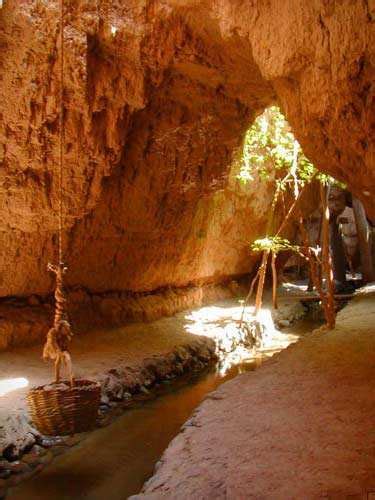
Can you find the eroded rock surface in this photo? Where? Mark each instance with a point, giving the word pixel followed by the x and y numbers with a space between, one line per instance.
pixel 158 96
pixel 23 324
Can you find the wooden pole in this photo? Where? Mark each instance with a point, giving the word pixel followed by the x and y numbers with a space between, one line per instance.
pixel 274 281
pixel 314 269
pixel 262 277
pixel 326 259
pixel 263 267
pixel 249 295
pixel 291 209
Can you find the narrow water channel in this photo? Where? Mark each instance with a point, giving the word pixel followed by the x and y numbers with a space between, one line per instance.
pixel 114 462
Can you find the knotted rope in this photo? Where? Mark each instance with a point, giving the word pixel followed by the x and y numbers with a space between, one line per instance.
pixel 60 295
pixel 59 336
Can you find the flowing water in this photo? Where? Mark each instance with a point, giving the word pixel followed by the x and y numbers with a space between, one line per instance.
pixel 114 462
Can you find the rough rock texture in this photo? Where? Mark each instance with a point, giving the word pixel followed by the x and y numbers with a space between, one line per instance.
pixel 23 324
pixel 158 96
pixel 301 426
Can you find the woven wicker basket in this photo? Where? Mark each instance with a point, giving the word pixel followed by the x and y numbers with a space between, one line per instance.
pixel 60 410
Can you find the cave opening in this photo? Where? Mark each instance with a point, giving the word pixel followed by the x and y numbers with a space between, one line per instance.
pixel 271 154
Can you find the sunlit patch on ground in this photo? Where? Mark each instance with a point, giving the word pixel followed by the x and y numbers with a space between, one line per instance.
pixel 11 384
pixel 222 323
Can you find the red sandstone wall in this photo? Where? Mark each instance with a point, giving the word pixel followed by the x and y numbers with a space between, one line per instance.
pixel 154 116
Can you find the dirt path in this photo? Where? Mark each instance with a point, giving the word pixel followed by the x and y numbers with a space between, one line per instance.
pixel 302 426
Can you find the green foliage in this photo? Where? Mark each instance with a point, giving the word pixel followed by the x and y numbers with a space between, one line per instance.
pixel 269 146
pixel 274 244
pixel 331 181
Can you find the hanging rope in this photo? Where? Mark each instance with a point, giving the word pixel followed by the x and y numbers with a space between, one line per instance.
pixel 60 295
pixel 60 269
pixel 59 336
pixel 62 132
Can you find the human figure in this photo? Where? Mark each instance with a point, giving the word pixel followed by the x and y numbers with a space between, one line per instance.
pixel 337 204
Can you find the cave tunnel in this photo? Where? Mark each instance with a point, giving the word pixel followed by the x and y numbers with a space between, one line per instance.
pixel 157 99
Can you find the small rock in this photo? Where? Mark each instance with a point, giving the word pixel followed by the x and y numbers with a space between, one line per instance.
pixel 283 323
pixel 119 394
pixel 158 464
pixel 113 388
pixel 214 397
pixel 48 442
